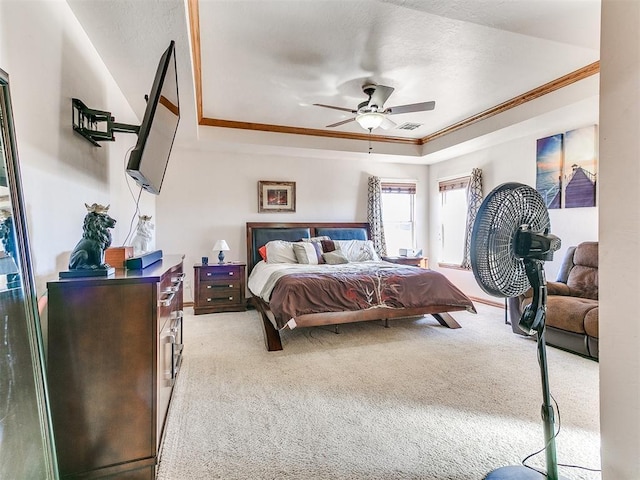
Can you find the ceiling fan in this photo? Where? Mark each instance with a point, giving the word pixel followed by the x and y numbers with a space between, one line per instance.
pixel 372 113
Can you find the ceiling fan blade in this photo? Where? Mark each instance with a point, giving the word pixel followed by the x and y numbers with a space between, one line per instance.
pixel 380 95
pixel 340 123
pixel 388 124
pixel 350 110
pixel 413 107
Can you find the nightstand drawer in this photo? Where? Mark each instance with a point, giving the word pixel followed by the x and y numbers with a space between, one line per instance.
pixel 221 283
pixel 219 272
pixel 219 298
pixel 219 291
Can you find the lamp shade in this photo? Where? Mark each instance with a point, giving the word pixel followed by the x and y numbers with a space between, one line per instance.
pixel 370 120
pixel 221 245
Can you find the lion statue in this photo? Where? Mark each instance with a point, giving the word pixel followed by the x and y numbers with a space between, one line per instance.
pixel 96 237
pixel 142 239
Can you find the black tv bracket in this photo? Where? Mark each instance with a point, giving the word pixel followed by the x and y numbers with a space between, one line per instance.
pixel 86 121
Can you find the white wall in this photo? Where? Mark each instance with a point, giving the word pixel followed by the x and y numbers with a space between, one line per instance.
pixel 515 161
pixel 211 194
pixel 50 60
pixel 620 240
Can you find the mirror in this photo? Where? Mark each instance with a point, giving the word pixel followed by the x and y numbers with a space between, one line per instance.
pixel 26 441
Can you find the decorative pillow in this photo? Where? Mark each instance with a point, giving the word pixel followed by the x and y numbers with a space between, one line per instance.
pixel 335 258
pixel 318 248
pixel 357 250
pixel 328 245
pixel 263 252
pixel 305 252
pixel 280 251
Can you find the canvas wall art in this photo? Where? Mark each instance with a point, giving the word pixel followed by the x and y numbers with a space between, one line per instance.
pixel 580 167
pixel 549 169
pixel 567 168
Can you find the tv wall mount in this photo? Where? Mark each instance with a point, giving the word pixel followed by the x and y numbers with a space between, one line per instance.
pixel 86 121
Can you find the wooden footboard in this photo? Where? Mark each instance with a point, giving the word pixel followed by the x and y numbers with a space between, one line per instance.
pixel 273 341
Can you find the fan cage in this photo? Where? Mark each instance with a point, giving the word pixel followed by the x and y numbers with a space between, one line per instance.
pixel 506 210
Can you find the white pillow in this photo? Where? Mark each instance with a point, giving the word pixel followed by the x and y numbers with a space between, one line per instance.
pixel 316 239
pixel 279 251
pixel 357 250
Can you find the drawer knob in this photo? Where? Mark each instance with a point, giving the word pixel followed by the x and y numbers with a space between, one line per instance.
pixel 231 274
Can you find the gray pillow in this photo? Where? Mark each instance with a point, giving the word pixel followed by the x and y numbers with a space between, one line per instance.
pixel 306 253
pixel 335 258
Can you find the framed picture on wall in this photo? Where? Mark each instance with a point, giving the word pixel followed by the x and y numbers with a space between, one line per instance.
pixel 276 196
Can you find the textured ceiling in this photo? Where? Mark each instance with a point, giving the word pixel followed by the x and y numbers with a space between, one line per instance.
pixel 267 62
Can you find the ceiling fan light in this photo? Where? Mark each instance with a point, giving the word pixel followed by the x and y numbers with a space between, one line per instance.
pixel 370 120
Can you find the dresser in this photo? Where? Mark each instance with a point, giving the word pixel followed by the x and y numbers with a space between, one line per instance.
pixel 219 287
pixel 114 350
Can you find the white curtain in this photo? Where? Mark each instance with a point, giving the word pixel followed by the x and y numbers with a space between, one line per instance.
pixel 374 215
pixel 474 200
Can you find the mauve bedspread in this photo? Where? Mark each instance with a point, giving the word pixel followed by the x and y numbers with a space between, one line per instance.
pixel 392 287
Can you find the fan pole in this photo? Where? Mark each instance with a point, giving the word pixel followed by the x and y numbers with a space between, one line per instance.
pixel 537 309
pixel 535 273
pixel 547 410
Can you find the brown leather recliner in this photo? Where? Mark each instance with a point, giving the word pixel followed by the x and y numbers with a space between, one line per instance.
pixel 572 303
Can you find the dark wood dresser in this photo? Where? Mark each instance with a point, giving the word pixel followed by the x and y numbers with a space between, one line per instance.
pixel 219 287
pixel 113 354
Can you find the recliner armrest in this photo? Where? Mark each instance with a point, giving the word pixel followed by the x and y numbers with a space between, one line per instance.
pixel 558 288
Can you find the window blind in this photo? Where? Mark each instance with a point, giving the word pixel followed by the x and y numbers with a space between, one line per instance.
pixel 398 187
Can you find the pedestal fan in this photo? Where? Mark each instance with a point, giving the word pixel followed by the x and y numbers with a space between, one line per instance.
pixel 510 242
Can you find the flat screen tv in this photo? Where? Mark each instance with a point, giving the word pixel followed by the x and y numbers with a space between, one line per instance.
pixel 149 158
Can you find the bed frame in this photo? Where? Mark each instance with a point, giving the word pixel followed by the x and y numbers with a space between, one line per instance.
pixel 259 233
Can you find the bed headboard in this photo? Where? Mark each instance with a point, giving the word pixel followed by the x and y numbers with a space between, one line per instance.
pixel 258 234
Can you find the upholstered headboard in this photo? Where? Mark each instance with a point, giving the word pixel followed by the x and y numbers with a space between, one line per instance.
pixel 258 234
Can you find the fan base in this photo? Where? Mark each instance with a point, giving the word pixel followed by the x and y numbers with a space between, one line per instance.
pixel 516 472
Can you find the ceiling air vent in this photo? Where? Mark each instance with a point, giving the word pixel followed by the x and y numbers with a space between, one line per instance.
pixel 409 126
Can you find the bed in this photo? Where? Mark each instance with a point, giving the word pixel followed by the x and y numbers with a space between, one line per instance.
pixel 289 294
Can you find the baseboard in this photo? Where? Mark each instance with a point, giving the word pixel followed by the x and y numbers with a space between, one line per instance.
pixel 488 302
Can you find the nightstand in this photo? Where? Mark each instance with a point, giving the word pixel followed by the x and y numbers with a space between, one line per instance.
pixel 422 262
pixel 219 287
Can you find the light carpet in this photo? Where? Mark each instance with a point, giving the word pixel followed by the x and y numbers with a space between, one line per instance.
pixel 414 401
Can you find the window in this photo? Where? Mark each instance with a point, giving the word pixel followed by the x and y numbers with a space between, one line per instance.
pixel 453 215
pixel 398 215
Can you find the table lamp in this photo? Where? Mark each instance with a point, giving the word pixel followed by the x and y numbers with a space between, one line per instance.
pixel 222 246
